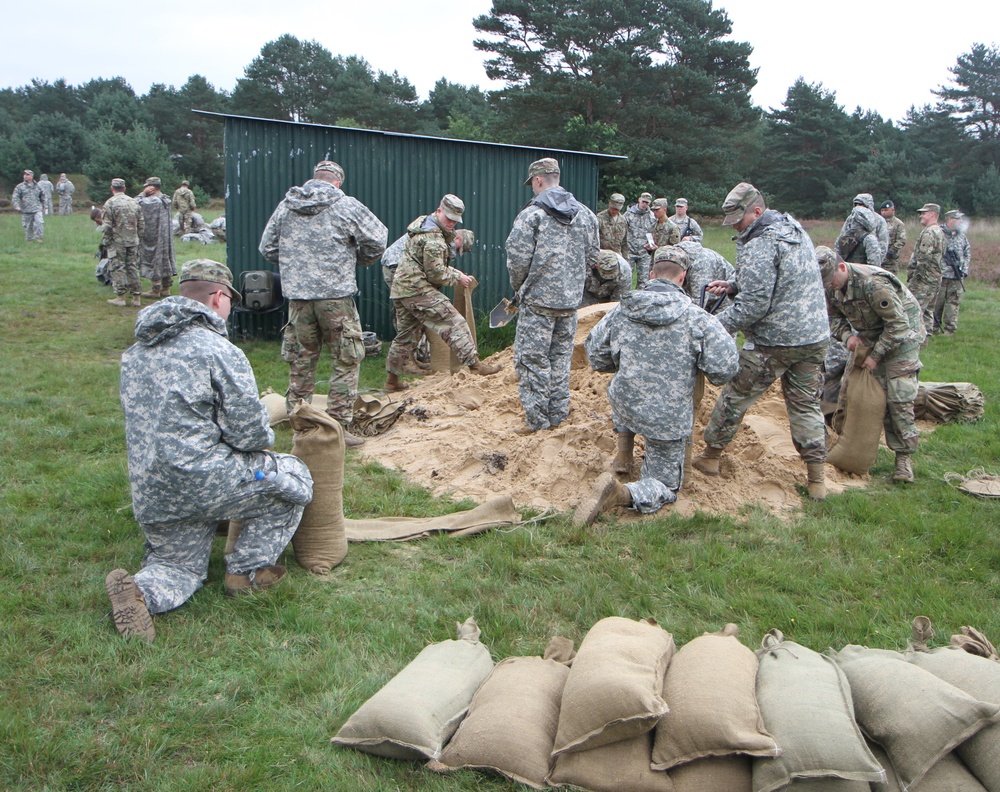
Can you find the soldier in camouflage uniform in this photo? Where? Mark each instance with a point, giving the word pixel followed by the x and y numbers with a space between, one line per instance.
pixel 664 233
pixel 897 236
pixel 157 262
pixel 197 436
pixel 121 228
pixel 65 188
pixel 29 200
pixel 184 203
pixel 612 228
pixel 608 280
pixel 417 299
pixel 639 221
pixel 706 266
pixel 553 243
pixel 655 341
pixel 869 307
pixel 318 236
pixel 954 271
pixel 781 311
pixel 923 275
pixel 687 226
pixel 864 237
pixel 48 188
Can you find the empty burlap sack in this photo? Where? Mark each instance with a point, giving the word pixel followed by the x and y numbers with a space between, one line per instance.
pixel 320 542
pixel 976 482
pixel 615 687
pixel 715 774
pixel 512 720
pixel 948 401
pixel 916 717
pixel 277 412
pixel 418 710
pixel 374 414
pixel 974 642
pixel 979 678
pixel 862 402
pixel 616 767
pixel 948 775
pixel 442 358
pixel 806 703
pixel 711 692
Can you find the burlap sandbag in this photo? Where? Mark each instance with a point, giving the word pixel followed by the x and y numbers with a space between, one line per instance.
pixel 442 358
pixel 615 688
pixel 616 767
pixel 277 411
pixel 806 703
pixel 916 717
pixel 715 774
pixel 418 710
pixel 827 784
pixel 862 400
pixel 948 775
pixel 512 720
pixel 980 678
pixel 320 542
pixel 710 690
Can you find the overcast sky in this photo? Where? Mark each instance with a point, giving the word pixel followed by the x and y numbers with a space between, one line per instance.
pixel 881 56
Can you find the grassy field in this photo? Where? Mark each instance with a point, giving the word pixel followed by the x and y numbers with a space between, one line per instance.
pixel 238 695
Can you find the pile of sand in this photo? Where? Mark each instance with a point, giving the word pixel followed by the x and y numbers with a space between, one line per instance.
pixel 457 439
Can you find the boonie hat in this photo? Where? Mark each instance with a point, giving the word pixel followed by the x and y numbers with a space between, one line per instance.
pixel 331 167
pixel 118 183
pixel 674 254
pixel 887 205
pixel 212 271
pixel 617 199
pixel 607 262
pixel 453 207
pixel 646 197
pixel 736 203
pixel 929 207
pixel 681 202
pixel 827 260
pixel 542 167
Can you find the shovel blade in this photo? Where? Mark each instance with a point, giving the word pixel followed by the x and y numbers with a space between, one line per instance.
pixel 501 315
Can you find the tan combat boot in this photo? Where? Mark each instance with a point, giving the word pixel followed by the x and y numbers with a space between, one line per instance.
pixel 608 492
pixel 708 461
pixel 623 459
pixel 128 607
pixel 352 441
pixel 118 300
pixel 392 383
pixel 263 579
pixel 165 287
pixel 136 302
pixel 904 470
pixel 816 480
pixel 484 369
pixel 154 291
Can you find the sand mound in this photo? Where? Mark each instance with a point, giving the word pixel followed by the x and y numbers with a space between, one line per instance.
pixel 457 439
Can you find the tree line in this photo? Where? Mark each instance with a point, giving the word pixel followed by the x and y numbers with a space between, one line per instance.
pixel 658 81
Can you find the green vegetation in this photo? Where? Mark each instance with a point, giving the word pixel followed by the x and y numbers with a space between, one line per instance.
pixel 245 694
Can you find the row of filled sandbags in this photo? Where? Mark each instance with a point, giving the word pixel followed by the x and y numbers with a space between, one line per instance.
pixel 629 712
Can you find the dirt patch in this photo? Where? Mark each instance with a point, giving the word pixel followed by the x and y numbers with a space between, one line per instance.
pixel 458 439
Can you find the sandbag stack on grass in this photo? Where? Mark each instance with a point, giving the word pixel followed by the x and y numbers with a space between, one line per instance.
pixel 419 709
pixel 717 773
pixel 916 717
pixel 947 775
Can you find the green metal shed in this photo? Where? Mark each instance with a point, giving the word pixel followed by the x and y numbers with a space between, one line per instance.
pixel 398 177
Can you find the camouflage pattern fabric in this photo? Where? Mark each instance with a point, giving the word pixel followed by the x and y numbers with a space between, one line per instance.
pixel 688 227
pixel 665 233
pixel 65 188
pixel 864 237
pixel 183 200
pixel 33 224
pixel 431 311
pixel 602 287
pixel 897 240
pixel 923 275
pixel 957 255
pixel 543 352
pixel 317 235
pixel 123 269
pixel 390 261
pixel 196 432
pixel 122 222
pixel 706 266
pixel 639 223
pixel 311 325
pixel 29 200
pixel 640 264
pixel 833 371
pixel 801 374
pixel 613 232
pixel 661 477
pixel 424 265
pixel 48 188
pixel 947 302
pixel 156 245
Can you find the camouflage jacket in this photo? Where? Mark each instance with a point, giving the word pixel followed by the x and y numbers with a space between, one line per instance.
pixel 122 222
pixel 424 266
pixel 613 232
pixel 639 223
pixel 957 255
pixel 48 188
pixel 156 245
pixel 706 266
pixel 194 424
pixel 897 237
pixel 665 233
pixel 927 258
pixel 184 200
pixel 65 188
pixel 553 243
pixel 779 293
pixel 28 198
pixel 879 309
pixel 864 237
pixel 606 283
pixel 688 226
pixel 656 341
pixel 318 236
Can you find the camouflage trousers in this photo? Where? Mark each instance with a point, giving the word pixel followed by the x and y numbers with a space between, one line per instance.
pixel 175 564
pixel 661 477
pixel 65 206
pixel 33 224
pixel 640 266
pixel 946 305
pixel 543 351
pixel 925 292
pixel 183 221
pixel 898 375
pixel 434 312
pixel 891 264
pixel 800 369
pixel 123 267
pixel 311 324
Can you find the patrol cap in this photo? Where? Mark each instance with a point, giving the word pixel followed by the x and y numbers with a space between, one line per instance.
pixel 185 183
pixel 737 202
pixel 464 239
pixel 330 167
pixel 452 207
pixel 681 202
pixel 887 205
pixel 953 214
pixel 674 254
pixel 660 203
pixel 617 199
pixel 119 183
pixel 646 197
pixel 28 172
pixel 153 181
pixel 827 259
pixel 929 207
pixel 212 271
pixel 607 262
pixel 542 167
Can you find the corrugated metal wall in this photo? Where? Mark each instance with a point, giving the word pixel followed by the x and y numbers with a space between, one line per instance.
pixel 399 177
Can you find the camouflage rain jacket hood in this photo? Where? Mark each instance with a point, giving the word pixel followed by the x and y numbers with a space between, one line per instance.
pixel 194 424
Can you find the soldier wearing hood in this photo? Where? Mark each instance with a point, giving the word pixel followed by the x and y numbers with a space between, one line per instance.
pixel 318 236
pixel 864 237
pixel 655 340
pixel 954 270
pixel 553 243
pixel 156 246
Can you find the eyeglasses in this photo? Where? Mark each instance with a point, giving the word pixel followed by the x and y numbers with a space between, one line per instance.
pixel 226 293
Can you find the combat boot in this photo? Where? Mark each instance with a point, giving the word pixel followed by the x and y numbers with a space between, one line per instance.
pixel 392 383
pixel 708 461
pixel 136 302
pixel 165 287
pixel 608 492
pixel 128 606
pixel 352 441
pixel 904 470
pixel 816 480
pixel 118 300
pixel 263 578
pixel 484 369
pixel 623 459
pixel 154 291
